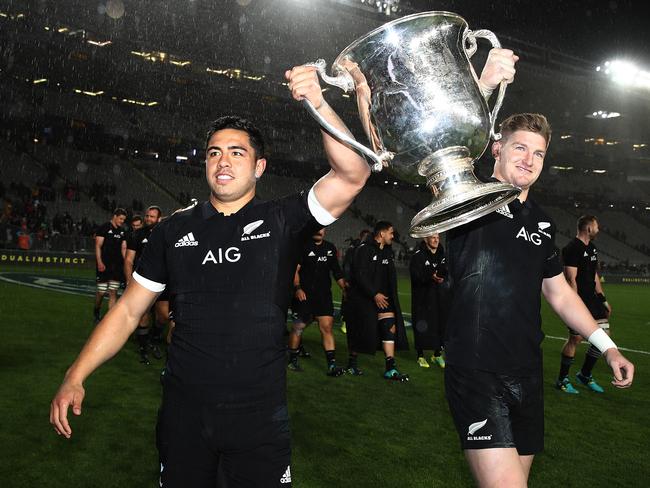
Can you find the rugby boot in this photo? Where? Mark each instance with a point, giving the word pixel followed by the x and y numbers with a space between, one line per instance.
pixel 303 353
pixel 344 328
pixel 589 382
pixel 144 359
pixel 439 360
pixel 294 366
pixel 333 370
pixel 565 385
pixel 395 375
pixel 354 371
pixel 155 350
pixel 423 362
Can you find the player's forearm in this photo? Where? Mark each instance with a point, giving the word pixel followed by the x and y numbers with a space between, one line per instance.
pixel 572 310
pixel 345 162
pixel 104 342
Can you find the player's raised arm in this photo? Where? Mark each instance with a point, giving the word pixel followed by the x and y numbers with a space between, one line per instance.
pixel 337 189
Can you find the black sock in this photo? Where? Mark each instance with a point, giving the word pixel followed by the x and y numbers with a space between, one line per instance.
pixel 155 333
pixel 293 355
pixel 142 335
pixel 330 356
pixel 352 360
pixel 420 353
pixel 437 352
pixel 565 365
pixel 590 361
pixel 390 363
pixel 96 312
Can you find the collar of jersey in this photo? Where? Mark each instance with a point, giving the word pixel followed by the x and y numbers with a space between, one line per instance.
pixel 208 210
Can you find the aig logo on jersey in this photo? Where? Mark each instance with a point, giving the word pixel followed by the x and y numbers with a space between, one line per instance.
pixel 249 228
pixel 534 237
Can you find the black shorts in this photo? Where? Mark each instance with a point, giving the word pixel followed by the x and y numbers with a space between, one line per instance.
pixel 111 273
pixel 199 444
pixel 493 410
pixel 316 305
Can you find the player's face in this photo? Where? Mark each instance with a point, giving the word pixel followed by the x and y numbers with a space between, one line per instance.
pixel 433 241
pixel 118 220
pixel 319 236
pixel 519 158
pixel 151 218
pixel 231 166
pixel 388 235
pixel 593 230
pixel 136 224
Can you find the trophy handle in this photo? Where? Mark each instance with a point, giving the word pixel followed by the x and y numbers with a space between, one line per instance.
pixel 343 81
pixel 470 37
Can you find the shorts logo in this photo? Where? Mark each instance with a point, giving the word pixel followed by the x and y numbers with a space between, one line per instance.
pixel 286 477
pixel 187 240
pixel 475 427
pixel 248 228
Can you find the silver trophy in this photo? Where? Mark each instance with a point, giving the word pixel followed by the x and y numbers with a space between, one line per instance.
pixel 423 112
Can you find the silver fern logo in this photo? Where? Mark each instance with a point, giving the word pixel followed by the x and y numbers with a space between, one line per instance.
pixel 248 228
pixel 476 426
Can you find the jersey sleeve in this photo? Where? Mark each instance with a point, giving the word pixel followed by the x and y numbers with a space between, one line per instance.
pixel 131 241
pixel 151 271
pixel 303 214
pixel 102 231
pixel 552 265
pixel 571 255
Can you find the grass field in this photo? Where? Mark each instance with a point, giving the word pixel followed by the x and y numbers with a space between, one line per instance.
pixel 347 432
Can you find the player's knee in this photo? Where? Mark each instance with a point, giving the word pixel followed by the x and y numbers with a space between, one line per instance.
pixel 298 328
pixel 387 329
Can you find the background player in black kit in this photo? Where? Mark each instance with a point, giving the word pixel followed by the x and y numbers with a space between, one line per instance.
pixel 428 272
pixel 376 320
pixel 110 247
pixel 147 335
pixel 498 265
pixel 580 259
pixel 313 298
pixel 229 265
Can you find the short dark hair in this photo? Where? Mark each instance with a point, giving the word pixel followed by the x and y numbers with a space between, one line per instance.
pixel 536 123
pixel 119 211
pixel 156 208
pixel 239 123
pixel 381 226
pixel 136 217
pixel 584 221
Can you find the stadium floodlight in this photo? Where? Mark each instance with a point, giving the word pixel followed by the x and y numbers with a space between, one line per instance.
pixel 625 73
pixel 603 114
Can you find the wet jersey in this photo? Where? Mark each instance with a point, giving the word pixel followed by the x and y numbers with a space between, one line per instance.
pixel 496 267
pixel 137 242
pixel 229 279
pixel 317 263
pixel 112 246
pixel 584 257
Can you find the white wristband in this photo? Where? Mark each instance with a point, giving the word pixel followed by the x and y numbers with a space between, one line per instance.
pixel 601 341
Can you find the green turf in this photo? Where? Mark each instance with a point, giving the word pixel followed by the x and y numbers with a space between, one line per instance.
pixel 347 432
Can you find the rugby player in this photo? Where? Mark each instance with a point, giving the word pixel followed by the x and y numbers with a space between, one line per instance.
pixel 229 264
pixel 313 298
pixel 499 265
pixel 110 248
pixel 428 271
pixel 376 321
pixel 580 259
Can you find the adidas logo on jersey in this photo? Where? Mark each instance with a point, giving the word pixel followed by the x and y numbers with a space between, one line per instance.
pixel 286 477
pixel 505 211
pixel 187 240
pixel 311 253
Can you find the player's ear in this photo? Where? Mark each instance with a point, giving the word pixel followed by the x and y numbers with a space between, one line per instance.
pixel 496 149
pixel 260 166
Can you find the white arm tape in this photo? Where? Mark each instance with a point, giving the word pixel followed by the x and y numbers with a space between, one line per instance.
pixel 321 215
pixel 601 341
pixel 149 284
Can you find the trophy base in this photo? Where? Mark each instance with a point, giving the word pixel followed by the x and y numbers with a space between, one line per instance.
pixel 459 196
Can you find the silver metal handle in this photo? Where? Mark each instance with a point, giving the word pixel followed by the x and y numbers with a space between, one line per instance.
pixel 345 82
pixel 471 36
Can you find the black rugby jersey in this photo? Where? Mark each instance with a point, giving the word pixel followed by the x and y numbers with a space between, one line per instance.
pixel 496 267
pixel 422 266
pixel 316 264
pixel 137 241
pixel 584 257
pixel 112 246
pixel 229 280
pixel 374 269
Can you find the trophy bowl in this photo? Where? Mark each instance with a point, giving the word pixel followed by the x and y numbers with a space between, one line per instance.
pixel 421 107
